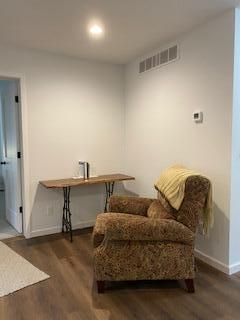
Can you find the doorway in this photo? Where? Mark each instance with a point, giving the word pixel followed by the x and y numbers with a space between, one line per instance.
pixel 11 221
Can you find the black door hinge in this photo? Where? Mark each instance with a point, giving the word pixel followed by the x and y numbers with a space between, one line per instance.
pixel 16 99
pixel 19 155
pixel 21 209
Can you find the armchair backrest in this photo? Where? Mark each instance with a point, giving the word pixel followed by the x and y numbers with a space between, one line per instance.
pixel 195 196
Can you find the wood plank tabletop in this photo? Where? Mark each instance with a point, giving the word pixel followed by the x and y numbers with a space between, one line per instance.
pixel 62 183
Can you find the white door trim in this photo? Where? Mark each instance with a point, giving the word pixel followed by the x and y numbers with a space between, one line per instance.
pixel 25 174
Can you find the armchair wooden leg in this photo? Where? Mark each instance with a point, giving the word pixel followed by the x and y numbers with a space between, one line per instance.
pixel 100 286
pixel 190 285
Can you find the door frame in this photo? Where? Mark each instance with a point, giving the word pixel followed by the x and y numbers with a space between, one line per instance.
pixel 23 128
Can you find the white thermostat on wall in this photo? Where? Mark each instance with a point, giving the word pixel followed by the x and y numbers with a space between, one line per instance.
pixel 198 116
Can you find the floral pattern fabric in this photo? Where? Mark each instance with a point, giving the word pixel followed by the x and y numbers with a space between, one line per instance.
pixel 129 245
pixel 156 210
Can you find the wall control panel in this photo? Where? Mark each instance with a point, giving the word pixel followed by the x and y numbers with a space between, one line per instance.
pixel 198 116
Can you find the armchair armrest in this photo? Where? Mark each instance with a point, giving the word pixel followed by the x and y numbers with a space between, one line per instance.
pixel 146 229
pixel 131 205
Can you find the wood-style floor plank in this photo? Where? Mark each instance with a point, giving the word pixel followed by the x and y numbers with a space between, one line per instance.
pixel 70 293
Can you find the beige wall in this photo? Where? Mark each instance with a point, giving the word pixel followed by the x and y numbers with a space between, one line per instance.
pixel 75 111
pixel 160 130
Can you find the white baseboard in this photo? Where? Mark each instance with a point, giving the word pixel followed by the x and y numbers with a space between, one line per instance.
pixel 212 262
pixel 58 229
pixel 234 268
pixel 228 269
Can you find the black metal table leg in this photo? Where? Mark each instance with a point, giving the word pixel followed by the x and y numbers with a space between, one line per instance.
pixel 109 191
pixel 66 218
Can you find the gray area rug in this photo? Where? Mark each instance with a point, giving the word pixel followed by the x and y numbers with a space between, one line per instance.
pixel 16 272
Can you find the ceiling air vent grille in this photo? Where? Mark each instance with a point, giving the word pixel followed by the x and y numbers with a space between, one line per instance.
pixel 159 59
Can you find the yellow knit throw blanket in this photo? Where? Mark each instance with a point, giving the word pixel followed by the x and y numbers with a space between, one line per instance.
pixel 172 184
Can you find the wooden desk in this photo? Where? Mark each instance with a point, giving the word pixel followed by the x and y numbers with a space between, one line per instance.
pixel 66 184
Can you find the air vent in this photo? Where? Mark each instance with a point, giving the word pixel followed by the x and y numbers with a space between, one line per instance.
pixel 164 57
pixel 159 59
pixel 155 60
pixel 173 53
pixel 142 66
pixel 148 63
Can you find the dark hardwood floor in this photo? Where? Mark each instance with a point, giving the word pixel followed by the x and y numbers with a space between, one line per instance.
pixel 70 293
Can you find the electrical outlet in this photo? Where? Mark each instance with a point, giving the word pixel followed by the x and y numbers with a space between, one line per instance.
pixel 50 211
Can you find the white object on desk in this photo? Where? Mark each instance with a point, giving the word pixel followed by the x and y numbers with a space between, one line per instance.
pixel 81 177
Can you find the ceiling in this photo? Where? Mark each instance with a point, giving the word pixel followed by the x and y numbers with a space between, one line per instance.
pixel 132 26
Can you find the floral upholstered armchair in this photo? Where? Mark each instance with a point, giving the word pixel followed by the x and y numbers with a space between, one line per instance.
pixel 141 238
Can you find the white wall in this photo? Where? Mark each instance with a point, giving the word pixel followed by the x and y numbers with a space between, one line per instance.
pixel 159 126
pixel 235 174
pixel 2 208
pixel 75 111
pixel 0 138
pixel 2 193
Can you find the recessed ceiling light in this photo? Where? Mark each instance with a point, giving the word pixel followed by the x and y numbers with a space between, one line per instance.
pixel 96 30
